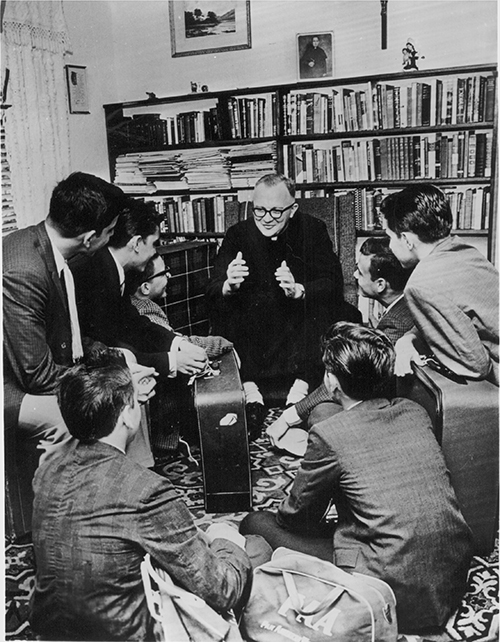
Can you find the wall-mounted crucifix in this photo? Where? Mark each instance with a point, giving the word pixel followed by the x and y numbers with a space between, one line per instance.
pixel 383 16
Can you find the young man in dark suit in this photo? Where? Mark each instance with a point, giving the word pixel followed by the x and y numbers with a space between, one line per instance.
pixel 380 464
pixel 106 311
pixel 42 337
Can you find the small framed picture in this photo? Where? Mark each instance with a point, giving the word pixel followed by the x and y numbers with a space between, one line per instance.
pixel 315 55
pixel 209 26
pixel 78 95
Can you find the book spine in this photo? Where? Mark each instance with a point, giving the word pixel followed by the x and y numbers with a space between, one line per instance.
pixel 426 105
pixel 480 154
pixel 489 108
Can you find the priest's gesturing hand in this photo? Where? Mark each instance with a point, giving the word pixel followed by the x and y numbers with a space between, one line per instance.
pixel 287 282
pixel 237 272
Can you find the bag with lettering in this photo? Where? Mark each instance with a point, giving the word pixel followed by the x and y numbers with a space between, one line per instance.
pixel 301 598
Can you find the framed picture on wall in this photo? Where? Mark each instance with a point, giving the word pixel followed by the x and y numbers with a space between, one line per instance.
pixel 78 95
pixel 209 26
pixel 315 55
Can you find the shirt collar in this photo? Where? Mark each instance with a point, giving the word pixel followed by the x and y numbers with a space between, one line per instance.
pixel 119 267
pixel 354 405
pixel 393 303
pixel 58 257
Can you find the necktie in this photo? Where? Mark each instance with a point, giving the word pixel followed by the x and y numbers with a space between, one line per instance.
pixel 76 340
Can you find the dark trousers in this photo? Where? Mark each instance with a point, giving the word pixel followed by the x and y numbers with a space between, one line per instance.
pixel 264 523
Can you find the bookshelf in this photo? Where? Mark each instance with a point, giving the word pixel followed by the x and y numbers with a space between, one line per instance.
pixel 363 136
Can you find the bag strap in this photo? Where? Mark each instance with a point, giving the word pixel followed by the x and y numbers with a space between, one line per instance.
pixel 188 603
pixel 327 602
pixel 152 598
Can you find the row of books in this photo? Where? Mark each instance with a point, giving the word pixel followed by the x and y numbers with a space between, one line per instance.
pixel 208 168
pixel 470 208
pixel 231 118
pixel 435 102
pixel 252 117
pixel 184 214
pixel 464 154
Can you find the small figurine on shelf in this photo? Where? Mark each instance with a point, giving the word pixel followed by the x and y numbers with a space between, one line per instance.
pixel 410 56
pixel 194 86
pixel 204 88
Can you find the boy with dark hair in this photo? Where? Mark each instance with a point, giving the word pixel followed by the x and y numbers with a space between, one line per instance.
pixel 97 513
pixel 83 202
pixel 383 264
pixel 452 293
pixel 380 464
pixel 171 408
pixel 148 286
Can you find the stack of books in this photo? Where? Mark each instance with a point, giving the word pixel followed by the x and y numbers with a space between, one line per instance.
pixel 247 163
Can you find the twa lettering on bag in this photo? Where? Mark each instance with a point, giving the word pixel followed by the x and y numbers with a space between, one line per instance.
pixel 301 598
pixel 324 622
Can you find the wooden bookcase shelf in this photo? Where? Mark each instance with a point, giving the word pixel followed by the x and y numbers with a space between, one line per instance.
pixel 369 134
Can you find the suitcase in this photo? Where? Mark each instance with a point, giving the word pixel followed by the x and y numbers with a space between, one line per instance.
pixel 220 408
pixel 464 416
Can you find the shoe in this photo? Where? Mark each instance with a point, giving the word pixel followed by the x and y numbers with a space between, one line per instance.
pixel 256 414
pixel 276 430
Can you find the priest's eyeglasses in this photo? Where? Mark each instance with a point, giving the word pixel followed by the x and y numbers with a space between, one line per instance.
pixel 274 212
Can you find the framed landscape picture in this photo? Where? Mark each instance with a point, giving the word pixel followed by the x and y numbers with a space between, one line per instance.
pixel 209 26
pixel 315 55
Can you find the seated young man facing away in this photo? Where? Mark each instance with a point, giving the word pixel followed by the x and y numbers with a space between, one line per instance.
pixel 382 278
pixel 96 514
pixel 379 463
pixel 452 293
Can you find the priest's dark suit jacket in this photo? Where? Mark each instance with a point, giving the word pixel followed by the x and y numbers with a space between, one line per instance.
pixel 107 316
pixel 272 334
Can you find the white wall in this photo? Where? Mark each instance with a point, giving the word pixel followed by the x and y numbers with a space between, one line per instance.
pixel 126 47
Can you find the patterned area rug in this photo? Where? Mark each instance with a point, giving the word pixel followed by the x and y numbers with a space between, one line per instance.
pixel 272 474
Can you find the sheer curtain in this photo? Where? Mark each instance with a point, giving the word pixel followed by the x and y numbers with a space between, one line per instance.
pixel 35 40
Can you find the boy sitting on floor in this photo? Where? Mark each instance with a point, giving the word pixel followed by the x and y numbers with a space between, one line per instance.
pixel 150 285
pixel 170 409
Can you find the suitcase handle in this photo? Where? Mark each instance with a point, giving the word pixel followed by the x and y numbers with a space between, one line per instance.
pixel 434 364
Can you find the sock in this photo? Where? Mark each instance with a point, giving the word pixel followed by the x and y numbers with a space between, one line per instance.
pixel 291 417
pixel 279 427
pixel 297 392
pixel 252 393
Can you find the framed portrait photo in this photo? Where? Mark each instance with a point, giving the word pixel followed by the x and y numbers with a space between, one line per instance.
pixel 78 95
pixel 209 26
pixel 315 55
